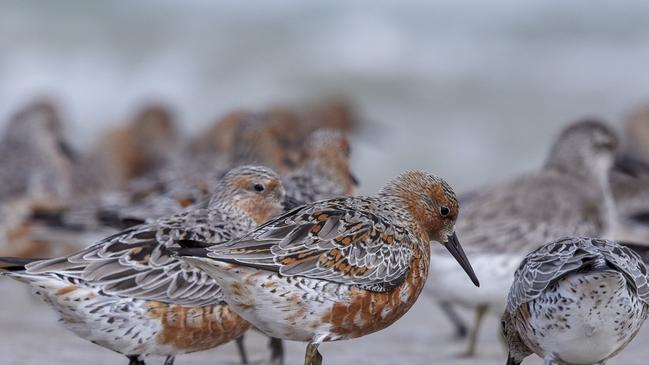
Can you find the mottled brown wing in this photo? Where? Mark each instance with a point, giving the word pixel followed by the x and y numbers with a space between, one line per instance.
pixel 138 263
pixel 340 240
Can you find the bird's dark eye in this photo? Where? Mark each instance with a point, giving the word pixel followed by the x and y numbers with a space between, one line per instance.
pixel 445 211
pixel 259 187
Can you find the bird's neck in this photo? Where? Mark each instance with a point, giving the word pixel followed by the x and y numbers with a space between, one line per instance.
pixel 596 180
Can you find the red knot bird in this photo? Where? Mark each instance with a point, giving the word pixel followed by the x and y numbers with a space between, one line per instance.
pixel 128 294
pixel 337 269
pixel 575 301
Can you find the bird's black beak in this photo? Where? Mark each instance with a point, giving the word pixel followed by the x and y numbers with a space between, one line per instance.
pixel 291 203
pixel 67 151
pixel 453 246
pixel 630 166
pixel 355 181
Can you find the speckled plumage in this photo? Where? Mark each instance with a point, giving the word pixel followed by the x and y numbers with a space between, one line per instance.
pixel 127 293
pixel 499 225
pixel 335 269
pixel 576 301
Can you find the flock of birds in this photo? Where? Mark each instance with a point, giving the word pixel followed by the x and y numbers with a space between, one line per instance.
pixel 154 245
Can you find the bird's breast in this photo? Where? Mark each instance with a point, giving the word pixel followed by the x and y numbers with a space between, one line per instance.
pixel 190 329
pixel 366 311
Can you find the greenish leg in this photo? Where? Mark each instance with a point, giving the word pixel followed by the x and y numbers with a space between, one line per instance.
pixel 312 356
pixel 473 336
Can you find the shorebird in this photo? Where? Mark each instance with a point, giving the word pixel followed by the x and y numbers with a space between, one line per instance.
pixel 36 166
pixel 150 142
pixel 128 294
pixel 258 141
pixel 325 172
pixel 575 301
pixel 500 224
pixel 340 268
pixel 35 159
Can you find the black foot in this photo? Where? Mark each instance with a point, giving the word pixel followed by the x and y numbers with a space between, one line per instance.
pixel 276 351
pixel 135 360
pixel 461 330
pixel 170 360
pixel 242 350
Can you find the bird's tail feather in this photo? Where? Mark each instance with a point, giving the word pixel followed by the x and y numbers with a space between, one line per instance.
pixel 14 263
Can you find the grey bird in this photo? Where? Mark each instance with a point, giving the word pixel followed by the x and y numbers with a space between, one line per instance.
pixel 35 159
pixel 575 301
pixel 499 225
pixel 36 167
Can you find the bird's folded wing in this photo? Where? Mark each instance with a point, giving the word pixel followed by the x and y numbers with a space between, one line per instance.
pixel 551 262
pixel 328 241
pixel 138 263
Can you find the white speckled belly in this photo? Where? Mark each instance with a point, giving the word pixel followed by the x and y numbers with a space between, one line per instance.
pixel 584 318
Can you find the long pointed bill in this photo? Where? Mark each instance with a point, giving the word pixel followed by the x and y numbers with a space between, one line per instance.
pixel 453 246
pixel 354 179
pixel 631 166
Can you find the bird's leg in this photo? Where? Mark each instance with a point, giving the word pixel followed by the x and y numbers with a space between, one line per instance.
pixel 276 351
pixel 480 311
pixel 312 356
pixel 511 360
pixel 458 323
pixel 170 360
pixel 135 360
pixel 242 350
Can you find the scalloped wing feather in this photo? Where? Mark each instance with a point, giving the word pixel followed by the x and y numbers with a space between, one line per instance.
pixel 552 261
pixel 331 240
pixel 138 263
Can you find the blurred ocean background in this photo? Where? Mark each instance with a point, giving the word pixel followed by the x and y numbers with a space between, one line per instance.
pixel 473 91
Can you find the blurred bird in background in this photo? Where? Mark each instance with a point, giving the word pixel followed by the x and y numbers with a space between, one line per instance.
pixel 140 175
pixel 500 224
pixel 36 167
